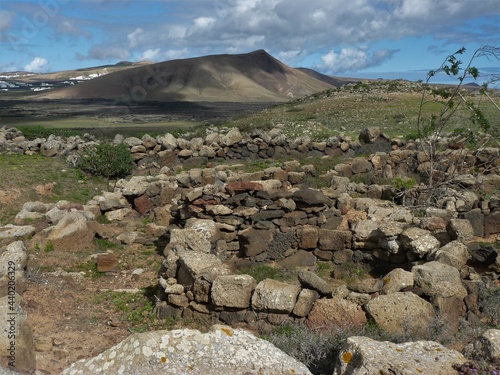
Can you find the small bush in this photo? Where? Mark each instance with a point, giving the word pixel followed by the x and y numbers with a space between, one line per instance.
pixel 403 183
pixel 317 350
pixel 107 160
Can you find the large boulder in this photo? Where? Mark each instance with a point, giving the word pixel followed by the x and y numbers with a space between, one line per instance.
pixel 72 233
pixel 334 313
pixel 223 350
pixel 454 254
pixel 401 313
pixel 362 355
pixel 198 235
pixel 437 279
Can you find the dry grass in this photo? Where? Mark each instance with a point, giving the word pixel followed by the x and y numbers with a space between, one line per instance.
pixel 20 175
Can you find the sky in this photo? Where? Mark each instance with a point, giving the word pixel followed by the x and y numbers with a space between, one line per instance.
pixel 350 38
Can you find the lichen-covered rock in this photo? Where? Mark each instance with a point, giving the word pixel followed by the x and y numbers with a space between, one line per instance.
pixel 135 186
pixel 14 258
pixel 454 254
pixel 396 280
pixel 275 296
pixel 424 244
pixel 438 280
pixel 232 137
pixel 365 230
pixel 460 229
pixel 10 232
pixel 401 313
pixel 233 290
pixel 362 355
pixel 223 350
pixel 112 201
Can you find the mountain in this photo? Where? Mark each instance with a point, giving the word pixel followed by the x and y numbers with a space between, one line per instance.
pixel 250 77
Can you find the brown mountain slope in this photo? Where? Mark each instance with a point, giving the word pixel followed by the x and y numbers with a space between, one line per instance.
pixel 256 76
pixel 335 81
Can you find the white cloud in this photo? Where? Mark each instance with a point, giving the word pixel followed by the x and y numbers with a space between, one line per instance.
pixel 37 65
pixel 150 55
pixel 354 59
pixel 135 37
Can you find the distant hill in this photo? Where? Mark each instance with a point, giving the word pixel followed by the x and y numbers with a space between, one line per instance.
pixel 75 74
pixel 335 81
pixel 251 77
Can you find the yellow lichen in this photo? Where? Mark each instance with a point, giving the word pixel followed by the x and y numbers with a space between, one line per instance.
pixel 227 331
pixel 347 356
pixel 163 360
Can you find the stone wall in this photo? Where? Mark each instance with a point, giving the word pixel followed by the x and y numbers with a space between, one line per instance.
pixel 217 220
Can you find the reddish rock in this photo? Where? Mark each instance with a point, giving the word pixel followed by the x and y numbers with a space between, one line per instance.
pixel 433 224
pixel 143 204
pixel 329 314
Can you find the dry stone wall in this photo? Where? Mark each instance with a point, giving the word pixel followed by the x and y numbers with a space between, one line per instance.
pixel 217 220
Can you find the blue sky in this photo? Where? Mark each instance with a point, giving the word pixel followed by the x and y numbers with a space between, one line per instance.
pixel 356 38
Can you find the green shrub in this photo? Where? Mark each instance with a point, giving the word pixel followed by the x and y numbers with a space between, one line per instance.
pixel 107 160
pixel 403 183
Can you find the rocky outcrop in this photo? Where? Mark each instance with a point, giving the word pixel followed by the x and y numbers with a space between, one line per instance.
pixel 223 350
pixel 362 355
